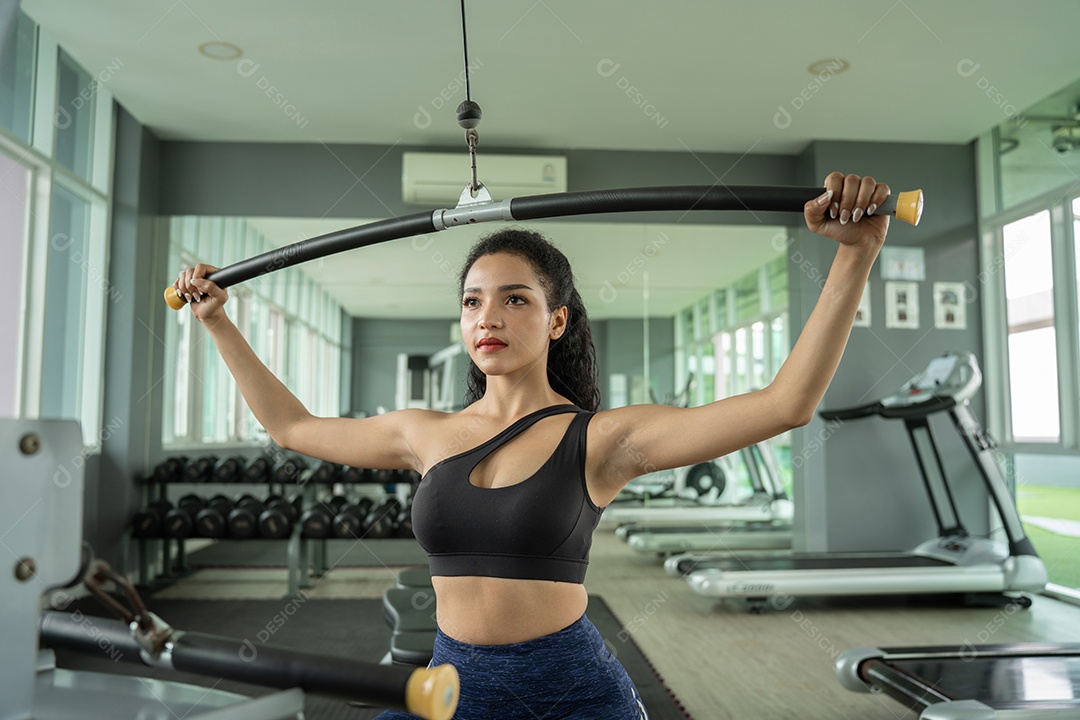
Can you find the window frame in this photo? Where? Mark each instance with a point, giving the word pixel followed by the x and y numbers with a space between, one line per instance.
pixel 45 173
pixel 992 260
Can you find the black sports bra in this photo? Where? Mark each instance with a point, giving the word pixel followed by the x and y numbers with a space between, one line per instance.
pixel 538 529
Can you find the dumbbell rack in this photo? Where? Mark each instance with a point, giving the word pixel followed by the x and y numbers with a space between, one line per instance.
pixel 306 557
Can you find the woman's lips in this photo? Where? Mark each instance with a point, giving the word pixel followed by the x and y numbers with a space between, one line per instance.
pixel 491 346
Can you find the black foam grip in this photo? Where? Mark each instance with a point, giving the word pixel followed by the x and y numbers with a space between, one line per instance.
pixel 322 246
pixel 762 198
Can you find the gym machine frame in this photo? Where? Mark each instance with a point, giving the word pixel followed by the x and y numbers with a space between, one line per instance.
pixel 42 509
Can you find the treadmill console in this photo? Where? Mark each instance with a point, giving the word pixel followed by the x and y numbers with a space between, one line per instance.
pixel 954 375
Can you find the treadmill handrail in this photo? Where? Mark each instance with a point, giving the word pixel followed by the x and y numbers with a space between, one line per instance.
pixel 928 407
pixel 852 413
pixel 969 652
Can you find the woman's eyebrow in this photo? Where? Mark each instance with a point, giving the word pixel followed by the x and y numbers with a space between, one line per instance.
pixel 502 288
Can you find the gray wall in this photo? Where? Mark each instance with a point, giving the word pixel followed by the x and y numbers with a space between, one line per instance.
pixel 134 361
pixel 307 180
pixel 376 345
pixel 865 476
pixel 620 350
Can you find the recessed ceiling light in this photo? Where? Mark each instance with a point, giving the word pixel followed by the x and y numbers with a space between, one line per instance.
pixel 219 50
pixel 829 66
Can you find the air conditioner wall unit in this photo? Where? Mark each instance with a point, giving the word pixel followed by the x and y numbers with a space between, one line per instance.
pixel 438 179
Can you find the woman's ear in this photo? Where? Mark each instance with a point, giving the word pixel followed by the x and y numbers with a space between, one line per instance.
pixel 559 320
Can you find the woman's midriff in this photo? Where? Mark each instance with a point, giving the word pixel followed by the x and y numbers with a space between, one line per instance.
pixel 501 611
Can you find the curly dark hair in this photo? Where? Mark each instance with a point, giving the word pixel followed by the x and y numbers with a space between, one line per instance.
pixel 571 365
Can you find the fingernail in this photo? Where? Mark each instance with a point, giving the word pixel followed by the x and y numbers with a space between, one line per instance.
pixel 825 198
pixel 834 209
pixel 870 210
pixel 856 215
pixel 844 216
pixel 188 296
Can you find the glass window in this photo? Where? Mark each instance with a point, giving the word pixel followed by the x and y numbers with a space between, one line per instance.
pixel 686 319
pixel 758 371
pixel 17 79
pixel 182 373
pixel 15 182
pixel 1029 286
pixel 720 309
pixel 747 300
pixel 1076 249
pixel 722 349
pixel 62 349
pixel 74 117
pixel 778 344
pixel 742 380
pixel 778 293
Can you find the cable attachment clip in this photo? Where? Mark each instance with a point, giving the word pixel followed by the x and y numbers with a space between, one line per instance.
pixel 151 632
pixel 468 117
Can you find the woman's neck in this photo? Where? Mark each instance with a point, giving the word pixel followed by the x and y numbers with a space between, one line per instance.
pixel 512 398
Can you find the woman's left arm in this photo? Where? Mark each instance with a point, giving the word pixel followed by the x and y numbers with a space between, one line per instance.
pixel 631 441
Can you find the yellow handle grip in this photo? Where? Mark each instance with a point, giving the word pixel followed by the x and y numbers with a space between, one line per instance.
pixel 173 299
pixel 909 206
pixel 432 693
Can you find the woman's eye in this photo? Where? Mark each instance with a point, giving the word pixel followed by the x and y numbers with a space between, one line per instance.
pixel 468 302
pixel 513 298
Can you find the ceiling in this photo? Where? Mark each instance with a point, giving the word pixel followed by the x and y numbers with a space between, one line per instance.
pixel 560 74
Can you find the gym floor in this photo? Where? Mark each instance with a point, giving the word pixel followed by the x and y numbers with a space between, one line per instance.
pixel 720 660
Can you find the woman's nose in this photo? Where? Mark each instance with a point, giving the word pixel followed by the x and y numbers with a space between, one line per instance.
pixel 489 317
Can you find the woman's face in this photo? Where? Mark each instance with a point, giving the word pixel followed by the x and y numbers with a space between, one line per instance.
pixel 505 323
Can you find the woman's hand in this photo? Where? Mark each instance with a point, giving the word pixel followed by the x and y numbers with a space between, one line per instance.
pixel 207 300
pixel 847 215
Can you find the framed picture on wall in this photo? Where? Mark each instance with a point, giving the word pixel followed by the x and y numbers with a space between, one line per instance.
pixel 950 311
pixel 902 305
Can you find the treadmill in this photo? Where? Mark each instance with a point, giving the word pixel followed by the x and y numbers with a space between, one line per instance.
pixel 954 562
pixel 697 495
pixel 970 682
pixel 699 532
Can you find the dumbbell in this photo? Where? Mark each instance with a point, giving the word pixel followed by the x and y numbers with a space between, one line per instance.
pixel 200 469
pixel 350 520
pixel 316 522
pixel 147 522
pixel 277 520
pixel 228 469
pixel 243 520
pixel 191 504
pixel 170 469
pixel 382 520
pixel 326 472
pixel 336 504
pixel 404 522
pixel 355 475
pixel 384 477
pixel 257 469
pixel 211 521
pixel 287 469
pixel 180 521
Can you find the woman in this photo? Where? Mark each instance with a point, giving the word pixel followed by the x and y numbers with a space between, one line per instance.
pixel 507 524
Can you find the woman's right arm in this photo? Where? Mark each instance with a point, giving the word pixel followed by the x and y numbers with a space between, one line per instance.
pixel 381 441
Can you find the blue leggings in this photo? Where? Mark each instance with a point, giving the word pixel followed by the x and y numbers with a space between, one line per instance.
pixel 568 674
